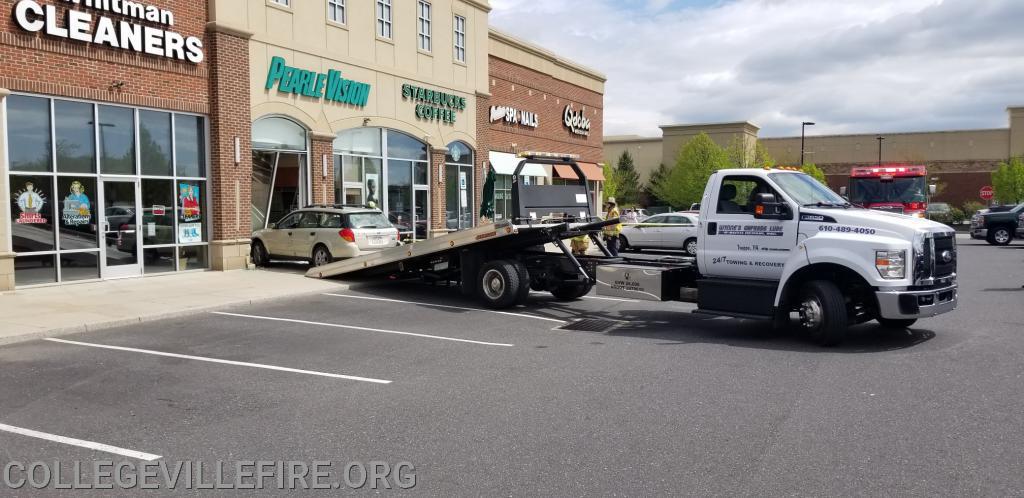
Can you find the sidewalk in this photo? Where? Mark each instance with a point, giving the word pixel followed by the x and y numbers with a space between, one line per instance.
pixel 47 311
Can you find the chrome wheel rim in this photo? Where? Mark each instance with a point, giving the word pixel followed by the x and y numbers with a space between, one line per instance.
pixel 810 313
pixel 691 248
pixel 494 284
pixel 1002 236
pixel 320 258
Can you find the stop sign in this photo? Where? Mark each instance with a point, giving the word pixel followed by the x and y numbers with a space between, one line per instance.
pixel 986 193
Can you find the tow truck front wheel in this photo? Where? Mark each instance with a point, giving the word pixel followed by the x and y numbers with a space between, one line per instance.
pixel 823 312
pixel 500 284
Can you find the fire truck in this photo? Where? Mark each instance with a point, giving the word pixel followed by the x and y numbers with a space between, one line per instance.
pixel 897 188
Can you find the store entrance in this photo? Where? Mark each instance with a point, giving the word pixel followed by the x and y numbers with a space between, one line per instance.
pixel 119 225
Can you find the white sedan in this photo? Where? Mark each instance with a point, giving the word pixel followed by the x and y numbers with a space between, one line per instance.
pixel 662 231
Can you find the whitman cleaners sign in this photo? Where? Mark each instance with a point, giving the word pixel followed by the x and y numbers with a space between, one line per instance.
pixel 124 33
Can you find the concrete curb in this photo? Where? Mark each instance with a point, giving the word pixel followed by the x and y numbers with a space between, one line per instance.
pixel 135 320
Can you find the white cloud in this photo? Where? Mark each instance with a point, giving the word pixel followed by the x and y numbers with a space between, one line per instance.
pixel 850 66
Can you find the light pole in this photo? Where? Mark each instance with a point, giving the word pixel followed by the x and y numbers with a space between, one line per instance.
pixel 803 126
pixel 880 138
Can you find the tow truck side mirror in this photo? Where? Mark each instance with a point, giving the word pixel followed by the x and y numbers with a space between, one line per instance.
pixel 932 189
pixel 766 208
pixel 842 191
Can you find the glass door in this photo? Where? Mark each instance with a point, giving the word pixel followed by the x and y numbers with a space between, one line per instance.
pixel 421 213
pixel 120 219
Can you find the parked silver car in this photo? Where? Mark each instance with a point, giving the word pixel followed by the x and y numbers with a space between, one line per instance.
pixel 662 231
pixel 321 234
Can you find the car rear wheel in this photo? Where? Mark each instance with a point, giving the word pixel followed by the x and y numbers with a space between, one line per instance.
pixel 258 254
pixel 691 247
pixel 624 244
pixel 321 256
pixel 1000 236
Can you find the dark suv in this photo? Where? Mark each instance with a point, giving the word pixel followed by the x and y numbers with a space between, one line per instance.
pixel 999 225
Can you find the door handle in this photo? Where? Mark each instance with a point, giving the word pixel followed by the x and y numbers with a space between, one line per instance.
pixel 312 233
pixel 712 228
pixel 289 234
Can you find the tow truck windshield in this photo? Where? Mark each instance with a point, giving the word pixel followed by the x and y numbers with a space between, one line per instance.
pixel 807 191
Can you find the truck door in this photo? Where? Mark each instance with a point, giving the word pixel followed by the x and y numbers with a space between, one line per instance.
pixel 736 245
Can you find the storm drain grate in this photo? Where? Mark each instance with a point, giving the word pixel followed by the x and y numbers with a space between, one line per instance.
pixel 590 325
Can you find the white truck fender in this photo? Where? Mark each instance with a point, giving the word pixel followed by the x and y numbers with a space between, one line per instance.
pixel 855 253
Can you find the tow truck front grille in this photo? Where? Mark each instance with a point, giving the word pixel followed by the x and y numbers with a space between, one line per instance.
pixel 938 261
pixel 945 255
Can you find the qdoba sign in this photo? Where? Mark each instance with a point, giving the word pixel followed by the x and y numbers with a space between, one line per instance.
pixel 576 121
pixel 125 33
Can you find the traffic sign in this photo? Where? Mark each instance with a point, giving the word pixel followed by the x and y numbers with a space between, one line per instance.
pixel 986 193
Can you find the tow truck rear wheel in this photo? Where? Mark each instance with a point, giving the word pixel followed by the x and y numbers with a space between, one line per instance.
pixel 896 323
pixel 499 284
pixel 823 312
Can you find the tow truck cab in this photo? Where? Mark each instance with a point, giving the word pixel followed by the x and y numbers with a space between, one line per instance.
pixel 777 241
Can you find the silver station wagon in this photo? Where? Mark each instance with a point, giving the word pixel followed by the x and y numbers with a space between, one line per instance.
pixel 321 234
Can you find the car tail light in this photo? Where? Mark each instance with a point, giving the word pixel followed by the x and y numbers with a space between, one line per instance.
pixel 347 234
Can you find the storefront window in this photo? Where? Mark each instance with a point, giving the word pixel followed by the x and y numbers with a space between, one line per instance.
pixel 191 212
pixel 155 143
pixel 117 140
pixel 190 145
pixel 403 146
pixel 77 204
pixel 279 170
pixel 158 207
pixel 32 213
pixel 29 141
pixel 75 137
pixel 459 187
pixel 60 215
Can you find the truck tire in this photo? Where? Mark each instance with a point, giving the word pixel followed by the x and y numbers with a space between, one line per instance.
pixel 499 284
pixel 823 312
pixel 1000 236
pixel 896 323
pixel 570 292
pixel 524 282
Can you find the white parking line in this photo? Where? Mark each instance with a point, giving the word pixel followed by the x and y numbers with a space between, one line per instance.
pixel 106 448
pixel 508 313
pixel 218 360
pixel 365 329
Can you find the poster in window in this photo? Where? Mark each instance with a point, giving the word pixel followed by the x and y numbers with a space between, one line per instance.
pixel 77 209
pixel 372 184
pixel 190 233
pixel 30 201
pixel 188 199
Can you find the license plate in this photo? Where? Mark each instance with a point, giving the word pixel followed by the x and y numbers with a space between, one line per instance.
pixel 376 241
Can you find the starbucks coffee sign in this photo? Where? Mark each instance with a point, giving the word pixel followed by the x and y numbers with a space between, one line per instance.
pixel 576 122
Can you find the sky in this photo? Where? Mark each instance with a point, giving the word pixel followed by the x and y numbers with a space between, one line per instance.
pixel 851 66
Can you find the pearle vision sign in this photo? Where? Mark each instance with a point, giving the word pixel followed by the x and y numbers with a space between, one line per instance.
pixel 124 33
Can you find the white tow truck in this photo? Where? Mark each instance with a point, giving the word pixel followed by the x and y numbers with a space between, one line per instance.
pixel 774 245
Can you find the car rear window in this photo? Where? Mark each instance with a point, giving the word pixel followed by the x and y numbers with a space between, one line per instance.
pixel 368 220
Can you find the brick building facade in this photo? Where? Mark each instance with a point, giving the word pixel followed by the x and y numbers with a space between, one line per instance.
pixel 111 165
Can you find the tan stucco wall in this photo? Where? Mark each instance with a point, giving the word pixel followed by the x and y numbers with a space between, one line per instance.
pixel 517 51
pixel 304 36
pixel 983 145
pixel 646 153
pixel 1016 130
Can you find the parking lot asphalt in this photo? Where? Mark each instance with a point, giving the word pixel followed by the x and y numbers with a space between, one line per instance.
pixel 505 403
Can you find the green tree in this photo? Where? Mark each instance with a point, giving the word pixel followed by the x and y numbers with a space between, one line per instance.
pixel 628 181
pixel 684 183
pixel 1008 181
pixel 816 172
pixel 742 155
pixel 611 183
pixel 656 177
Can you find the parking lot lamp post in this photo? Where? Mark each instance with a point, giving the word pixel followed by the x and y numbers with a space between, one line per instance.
pixel 803 126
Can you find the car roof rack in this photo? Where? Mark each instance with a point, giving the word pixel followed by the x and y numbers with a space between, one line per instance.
pixel 336 206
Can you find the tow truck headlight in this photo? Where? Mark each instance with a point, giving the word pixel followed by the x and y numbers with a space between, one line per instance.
pixel 891 264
